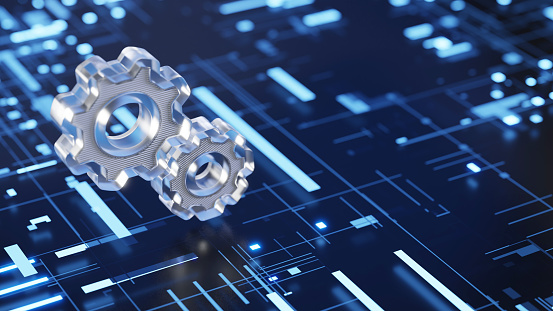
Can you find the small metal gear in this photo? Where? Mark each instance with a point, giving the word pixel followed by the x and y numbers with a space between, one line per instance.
pixel 206 166
pixel 102 87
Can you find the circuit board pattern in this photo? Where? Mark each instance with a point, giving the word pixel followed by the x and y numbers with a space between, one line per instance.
pixel 401 148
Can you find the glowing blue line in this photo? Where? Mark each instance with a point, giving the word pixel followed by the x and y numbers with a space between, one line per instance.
pixel 223 111
pixel 23 285
pixel 39 32
pixel 19 71
pixel 100 208
pixel 4 170
pixel 356 291
pixel 322 18
pixel 36 166
pixel 97 285
pixel 11 267
pixel 39 303
pixel 290 83
pixel 241 6
pixel 448 294
pixel 72 250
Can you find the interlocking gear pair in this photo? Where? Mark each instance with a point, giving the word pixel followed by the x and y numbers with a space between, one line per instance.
pixel 197 167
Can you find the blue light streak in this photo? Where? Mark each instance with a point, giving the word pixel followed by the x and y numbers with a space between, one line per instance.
pixel 474 168
pixel 11 267
pixel 223 111
pixel 288 82
pixel 39 32
pixel 22 286
pixel 36 166
pixel 448 294
pixel 20 260
pixel 322 18
pixel 39 303
pixel 15 66
pixel 241 6
pixel 356 291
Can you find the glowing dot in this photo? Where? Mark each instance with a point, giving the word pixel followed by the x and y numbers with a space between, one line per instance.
pixel 71 40
pixel 498 77
pixel 496 94
pixel 473 167
pixel 320 225
pixel 537 101
pixel 58 68
pixel 457 5
pixel 43 69
pixel 536 118
pixel 401 140
pixel 62 88
pixel 50 45
pixel 511 120
pixel 11 192
pixel 117 12
pixel 84 48
pixel 545 64
pixel 255 247
pixel 90 18
pixel 245 25
pixel 69 2
pixel 531 81
pixel 504 2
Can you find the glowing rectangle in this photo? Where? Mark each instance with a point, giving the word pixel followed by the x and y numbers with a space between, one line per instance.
pixel 72 250
pixel 19 71
pixel 290 83
pixel 353 103
pixel 448 294
pixel 363 221
pixel 100 208
pixel 97 286
pixel 22 286
pixel 39 303
pixel 419 31
pixel 356 291
pixel 36 166
pixel 39 32
pixel 473 167
pixel 454 50
pixel 241 6
pixel 20 260
pixel 4 170
pixel 322 18
pixel 272 153
pixel 279 302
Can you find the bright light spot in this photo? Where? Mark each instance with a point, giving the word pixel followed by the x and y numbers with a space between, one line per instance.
pixel 11 192
pixel 473 167
pixel 496 94
pixel 254 247
pixel 320 225
pixel 118 12
pixel 504 2
pixel 398 3
pixel 245 25
pixel 43 69
pixel 545 64
pixel 90 18
pixel 50 45
pixel 401 140
pixel 537 101
pixel 498 77
pixel 536 118
pixel 511 120
pixel 457 5
pixel 71 40
pixel 62 88
pixel 58 68
pixel 69 2
pixel 531 81
pixel 84 48
pixel 466 121
pixel 273 278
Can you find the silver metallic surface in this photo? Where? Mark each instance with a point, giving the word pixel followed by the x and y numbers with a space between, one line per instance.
pixel 83 113
pixel 206 166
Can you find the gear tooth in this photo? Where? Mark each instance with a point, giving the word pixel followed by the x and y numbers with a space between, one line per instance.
pixel 207 137
pixel 78 111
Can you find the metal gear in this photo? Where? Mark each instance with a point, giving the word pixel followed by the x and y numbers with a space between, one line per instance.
pixel 206 166
pixel 102 87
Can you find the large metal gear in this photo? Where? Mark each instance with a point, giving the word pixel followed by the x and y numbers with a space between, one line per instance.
pixel 206 166
pixel 102 87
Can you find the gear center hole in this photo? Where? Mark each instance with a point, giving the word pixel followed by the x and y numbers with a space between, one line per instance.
pixel 127 124
pixel 207 174
pixel 123 119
